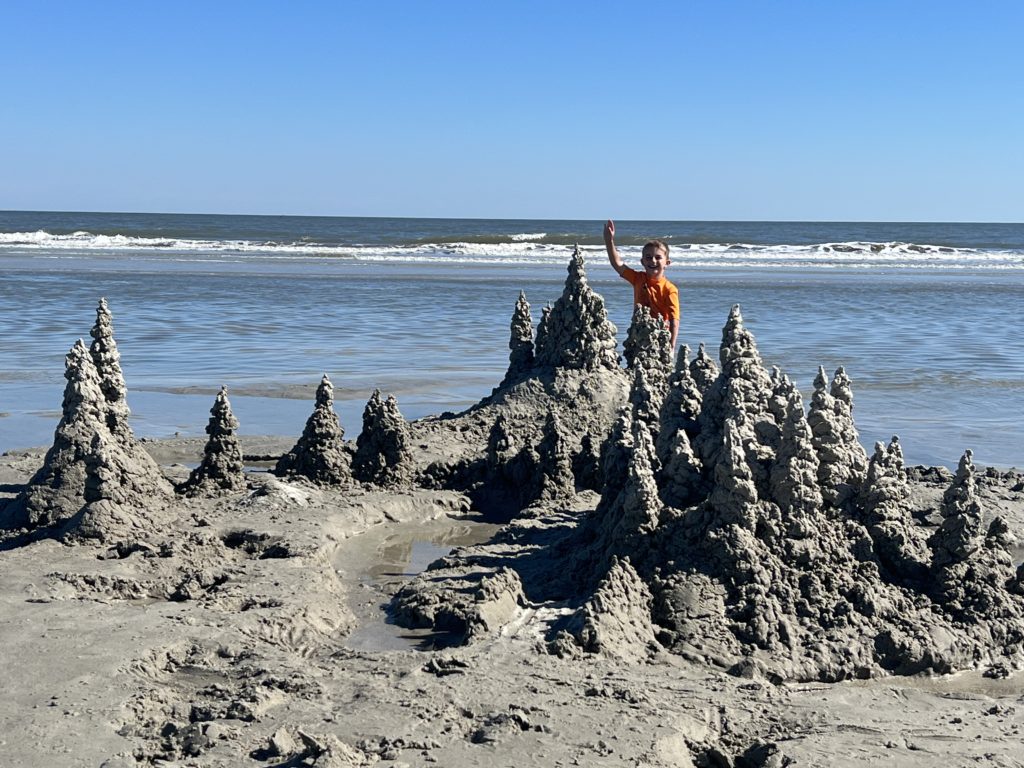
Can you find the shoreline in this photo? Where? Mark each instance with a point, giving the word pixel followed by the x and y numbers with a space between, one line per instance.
pixel 926 353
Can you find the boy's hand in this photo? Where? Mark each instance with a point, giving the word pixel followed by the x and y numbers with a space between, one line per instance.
pixel 609 243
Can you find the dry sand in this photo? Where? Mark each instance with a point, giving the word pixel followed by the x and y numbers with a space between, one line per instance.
pixel 247 618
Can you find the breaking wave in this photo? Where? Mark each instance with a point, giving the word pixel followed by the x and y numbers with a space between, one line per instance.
pixel 523 248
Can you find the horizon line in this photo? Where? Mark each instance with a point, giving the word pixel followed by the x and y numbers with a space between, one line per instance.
pixel 510 218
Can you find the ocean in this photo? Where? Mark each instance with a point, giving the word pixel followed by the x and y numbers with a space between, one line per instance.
pixel 923 316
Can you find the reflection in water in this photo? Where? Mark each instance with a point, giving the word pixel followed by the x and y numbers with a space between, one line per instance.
pixel 398 558
pixel 406 559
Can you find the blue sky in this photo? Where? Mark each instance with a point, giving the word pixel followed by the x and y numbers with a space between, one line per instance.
pixel 910 111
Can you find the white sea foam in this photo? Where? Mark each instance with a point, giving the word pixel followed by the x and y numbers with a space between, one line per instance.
pixel 525 250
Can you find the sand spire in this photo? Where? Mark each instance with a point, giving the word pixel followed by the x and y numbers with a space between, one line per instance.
pixel 794 475
pixel 734 495
pixel 382 448
pixel 739 395
pixel 57 490
pixel 614 460
pixel 828 442
pixel 648 346
pixel 615 620
pixel 959 536
pixel 634 514
pixel 645 399
pixel 681 407
pixel 856 457
pixel 554 475
pixel 703 369
pixel 576 332
pixel 887 515
pixel 107 359
pixel 681 480
pixel 319 454
pixel 220 470
pixel 504 455
pixel 972 573
pixel 520 343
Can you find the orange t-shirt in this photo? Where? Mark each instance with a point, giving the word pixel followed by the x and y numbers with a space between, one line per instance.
pixel 659 294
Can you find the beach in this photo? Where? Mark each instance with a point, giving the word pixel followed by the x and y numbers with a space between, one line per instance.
pixel 518 560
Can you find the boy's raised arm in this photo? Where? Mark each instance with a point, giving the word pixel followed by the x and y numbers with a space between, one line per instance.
pixel 609 244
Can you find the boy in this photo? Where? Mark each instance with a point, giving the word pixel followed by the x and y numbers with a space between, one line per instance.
pixel 650 288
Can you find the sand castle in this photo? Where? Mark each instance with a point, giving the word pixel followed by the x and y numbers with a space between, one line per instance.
pixel 221 469
pixel 666 517
pixel 96 480
pixel 732 526
pixel 382 448
pixel 320 454
pixel 736 528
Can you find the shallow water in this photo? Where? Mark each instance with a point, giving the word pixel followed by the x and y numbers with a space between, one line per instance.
pixel 390 559
pixel 935 355
pixel 965 684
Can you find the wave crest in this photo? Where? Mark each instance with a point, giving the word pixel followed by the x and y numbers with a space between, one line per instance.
pixel 531 248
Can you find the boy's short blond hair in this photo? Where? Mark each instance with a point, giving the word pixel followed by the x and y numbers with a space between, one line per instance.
pixel 656 244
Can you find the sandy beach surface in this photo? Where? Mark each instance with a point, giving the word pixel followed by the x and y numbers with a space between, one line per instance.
pixel 586 568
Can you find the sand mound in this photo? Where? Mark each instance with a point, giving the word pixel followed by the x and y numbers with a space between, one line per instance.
pixel 615 620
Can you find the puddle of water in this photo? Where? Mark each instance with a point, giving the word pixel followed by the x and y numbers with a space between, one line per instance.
pixel 382 634
pixel 969 682
pixel 405 561
pixel 1017 553
pixel 389 560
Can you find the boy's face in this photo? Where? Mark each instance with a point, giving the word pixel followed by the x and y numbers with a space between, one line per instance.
pixel 654 260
